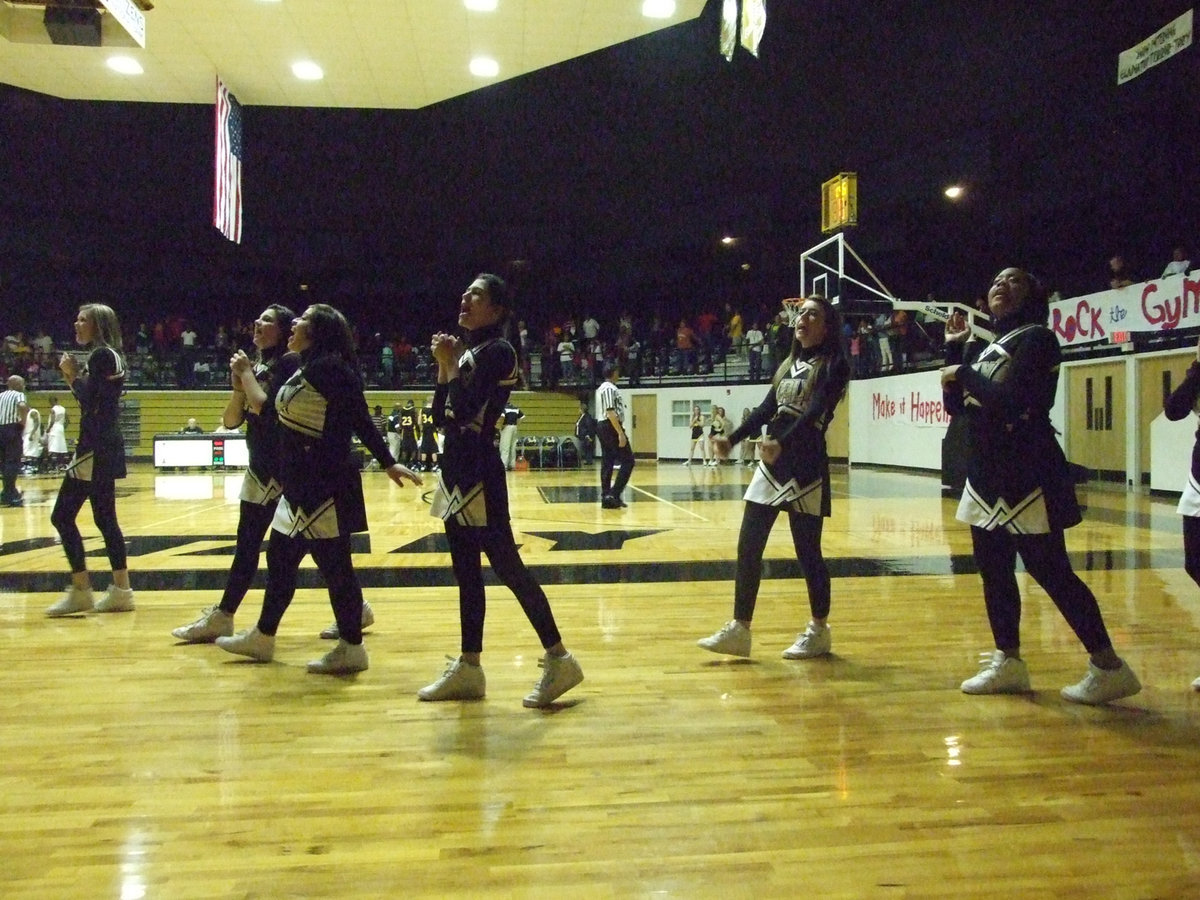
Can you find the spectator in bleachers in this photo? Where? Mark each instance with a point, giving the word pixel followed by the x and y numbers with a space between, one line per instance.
pixel 192 427
pixel 591 328
pixel 685 349
pixel 854 343
pixel 633 361
pixel 566 358
pixel 780 337
pixel 957 333
pixel 1179 264
pixel 43 345
pixel 1120 275
pixel 734 327
pixel 883 340
pixel 551 368
pixel 387 363
pixel 754 350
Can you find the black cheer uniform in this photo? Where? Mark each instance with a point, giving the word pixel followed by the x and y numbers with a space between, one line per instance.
pixel 320 408
pixel 99 460
pixel 797 412
pixel 261 488
pixel 472 493
pixel 1183 401
pixel 1019 496
pixel 1017 474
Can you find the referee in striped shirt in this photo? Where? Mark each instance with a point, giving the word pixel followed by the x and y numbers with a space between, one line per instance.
pixel 13 410
pixel 614 441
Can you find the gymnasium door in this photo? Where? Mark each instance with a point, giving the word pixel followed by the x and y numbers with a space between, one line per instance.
pixel 645 426
pixel 1096 418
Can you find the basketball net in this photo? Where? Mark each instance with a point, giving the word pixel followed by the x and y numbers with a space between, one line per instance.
pixel 791 309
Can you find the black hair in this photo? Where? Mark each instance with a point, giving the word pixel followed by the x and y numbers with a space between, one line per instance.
pixel 832 345
pixel 499 295
pixel 1035 308
pixel 283 319
pixel 497 290
pixel 330 334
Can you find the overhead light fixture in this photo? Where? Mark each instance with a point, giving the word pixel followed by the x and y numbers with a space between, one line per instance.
pixel 658 9
pixel 954 191
pixel 480 5
pixel 727 240
pixel 485 67
pixel 126 65
pixel 306 70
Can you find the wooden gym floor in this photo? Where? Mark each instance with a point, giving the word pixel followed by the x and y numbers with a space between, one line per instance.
pixel 140 768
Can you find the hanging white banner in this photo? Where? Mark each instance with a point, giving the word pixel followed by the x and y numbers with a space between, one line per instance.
pixel 1163 44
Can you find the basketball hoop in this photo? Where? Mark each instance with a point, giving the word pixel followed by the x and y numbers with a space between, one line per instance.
pixel 791 309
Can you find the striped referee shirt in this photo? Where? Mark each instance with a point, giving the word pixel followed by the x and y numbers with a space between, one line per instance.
pixel 609 397
pixel 10 407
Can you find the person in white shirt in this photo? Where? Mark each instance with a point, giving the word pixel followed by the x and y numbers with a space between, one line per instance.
pixel 1179 264
pixel 56 435
pixel 566 358
pixel 754 346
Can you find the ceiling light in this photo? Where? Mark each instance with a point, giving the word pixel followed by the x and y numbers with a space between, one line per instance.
pixel 658 9
pixel 307 71
pixel 480 5
pixel 727 240
pixel 954 191
pixel 126 65
pixel 485 67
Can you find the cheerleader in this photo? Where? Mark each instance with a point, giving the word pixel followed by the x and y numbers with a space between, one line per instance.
pixel 1185 399
pixel 718 425
pixel 697 426
pixel 793 475
pixel 98 463
pixel 318 409
pixel 1019 496
pixel 252 402
pixel 475 378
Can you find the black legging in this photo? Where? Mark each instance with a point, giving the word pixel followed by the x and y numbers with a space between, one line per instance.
pixel 1191 546
pixel 466 543
pixel 253 522
pixel 10 460
pixel 612 454
pixel 757 519
pixel 1045 558
pixel 332 556
pixel 71 496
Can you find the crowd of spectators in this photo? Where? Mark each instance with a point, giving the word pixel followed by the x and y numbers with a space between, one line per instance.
pixel 728 344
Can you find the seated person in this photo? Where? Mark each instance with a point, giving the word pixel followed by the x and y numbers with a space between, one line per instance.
pixel 191 428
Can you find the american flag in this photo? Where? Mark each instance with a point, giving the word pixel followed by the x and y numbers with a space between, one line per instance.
pixel 227 193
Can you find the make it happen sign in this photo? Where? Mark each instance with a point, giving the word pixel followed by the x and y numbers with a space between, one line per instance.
pixel 1163 44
